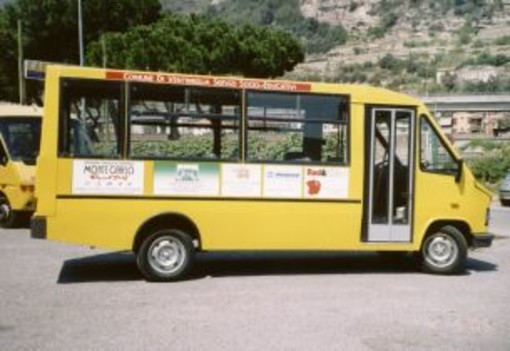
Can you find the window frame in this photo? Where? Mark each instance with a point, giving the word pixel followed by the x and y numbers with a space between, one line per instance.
pixel 424 117
pixel 238 117
pixel 123 149
pixel 347 124
pixel 9 121
pixel 64 125
pixel 5 157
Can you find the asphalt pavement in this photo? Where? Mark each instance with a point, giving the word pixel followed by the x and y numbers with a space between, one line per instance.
pixel 500 218
pixel 60 297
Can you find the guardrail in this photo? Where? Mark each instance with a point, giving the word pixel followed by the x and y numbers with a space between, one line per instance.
pixel 468 103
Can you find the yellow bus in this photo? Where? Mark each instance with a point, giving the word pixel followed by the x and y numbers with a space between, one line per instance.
pixel 20 129
pixel 169 165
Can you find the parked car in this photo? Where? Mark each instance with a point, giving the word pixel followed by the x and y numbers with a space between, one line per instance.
pixel 504 191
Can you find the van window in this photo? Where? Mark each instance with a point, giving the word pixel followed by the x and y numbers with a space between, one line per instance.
pixel 435 157
pixel 22 136
pixel 175 122
pixel 297 127
pixel 90 118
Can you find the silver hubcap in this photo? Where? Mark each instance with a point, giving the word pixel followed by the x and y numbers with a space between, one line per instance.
pixel 441 250
pixel 4 211
pixel 166 255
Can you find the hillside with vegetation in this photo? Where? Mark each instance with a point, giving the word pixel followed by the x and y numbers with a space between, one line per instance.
pixel 420 46
pixel 315 36
pixel 417 46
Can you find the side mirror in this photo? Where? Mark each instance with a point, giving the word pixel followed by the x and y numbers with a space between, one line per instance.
pixel 460 166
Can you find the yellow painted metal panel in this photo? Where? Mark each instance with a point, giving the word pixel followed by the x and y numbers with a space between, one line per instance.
pixel 223 225
pixel 246 225
pixel 357 149
pixel 13 176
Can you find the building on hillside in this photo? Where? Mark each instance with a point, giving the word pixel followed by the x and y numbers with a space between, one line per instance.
pixel 467 74
pixel 482 123
pixel 476 74
pixel 446 123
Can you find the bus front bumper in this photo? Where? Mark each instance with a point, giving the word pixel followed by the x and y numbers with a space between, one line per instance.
pixel 480 240
pixel 38 227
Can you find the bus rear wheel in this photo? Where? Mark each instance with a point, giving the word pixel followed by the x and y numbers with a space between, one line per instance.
pixel 166 255
pixel 444 251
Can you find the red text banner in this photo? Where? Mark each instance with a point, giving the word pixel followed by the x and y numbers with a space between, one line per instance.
pixel 205 81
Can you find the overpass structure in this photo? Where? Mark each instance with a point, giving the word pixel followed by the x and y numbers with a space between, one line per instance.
pixel 467 103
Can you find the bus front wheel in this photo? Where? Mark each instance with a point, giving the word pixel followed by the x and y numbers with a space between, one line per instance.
pixel 444 251
pixel 166 255
pixel 8 218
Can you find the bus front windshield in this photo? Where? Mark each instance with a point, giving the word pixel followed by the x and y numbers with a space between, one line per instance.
pixel 22 137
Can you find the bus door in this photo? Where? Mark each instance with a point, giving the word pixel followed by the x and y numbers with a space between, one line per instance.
pixel 390 160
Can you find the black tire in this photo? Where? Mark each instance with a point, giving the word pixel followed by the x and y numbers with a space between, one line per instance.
pixel 505 203
pixel 8 217
pixel 167 255
pixel 444 251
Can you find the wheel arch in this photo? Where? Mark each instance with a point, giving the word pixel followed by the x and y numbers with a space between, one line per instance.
pixel 4 194
pixel 460 225
pixel 172 220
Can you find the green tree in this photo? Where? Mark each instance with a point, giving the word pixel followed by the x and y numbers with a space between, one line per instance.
pixel 195 44
pixel 492 167
pixel 391 63
pixel 504 122
pixel 50 30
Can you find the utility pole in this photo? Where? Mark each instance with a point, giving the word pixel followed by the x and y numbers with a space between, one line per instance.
pixel 21 82
pixel 103 47
pixel 82 59
pixel 80 34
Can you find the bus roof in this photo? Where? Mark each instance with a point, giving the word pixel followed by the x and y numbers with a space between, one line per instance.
pixel 15 110
pixel 358 93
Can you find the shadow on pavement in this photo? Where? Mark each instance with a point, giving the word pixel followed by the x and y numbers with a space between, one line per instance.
pixel 476 265
pixel 121 266
pixel 117 266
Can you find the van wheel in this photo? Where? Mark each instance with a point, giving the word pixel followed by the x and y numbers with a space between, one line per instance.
pixel 505 203
pixel 444 251
pixel 8 217
pixel 166 255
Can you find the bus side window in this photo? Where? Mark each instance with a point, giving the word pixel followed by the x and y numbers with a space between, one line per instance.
pixel 80 143
pixel 184 123
pixel 90 121
pixel 299 128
